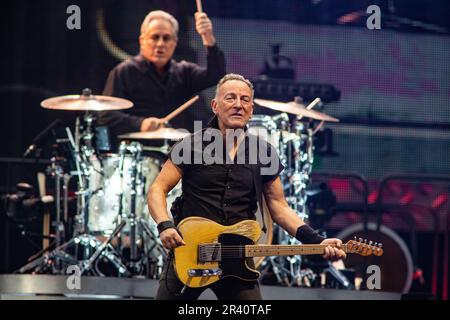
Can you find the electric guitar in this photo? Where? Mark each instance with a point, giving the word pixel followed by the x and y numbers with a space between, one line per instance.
pixel 214 251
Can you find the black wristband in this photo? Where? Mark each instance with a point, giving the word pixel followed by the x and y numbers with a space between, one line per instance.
pixel 166 225
pixel 305 234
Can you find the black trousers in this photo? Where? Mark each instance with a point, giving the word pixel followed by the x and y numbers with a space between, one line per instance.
pixel 228 288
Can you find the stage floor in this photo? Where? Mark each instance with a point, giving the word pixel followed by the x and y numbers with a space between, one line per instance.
pixel 14 287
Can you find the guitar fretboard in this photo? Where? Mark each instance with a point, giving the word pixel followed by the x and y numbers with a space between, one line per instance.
pixel 286 250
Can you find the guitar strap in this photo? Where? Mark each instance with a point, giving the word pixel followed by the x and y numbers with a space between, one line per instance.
pixel 257 182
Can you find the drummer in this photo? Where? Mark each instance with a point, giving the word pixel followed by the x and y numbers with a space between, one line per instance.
pixel 155 82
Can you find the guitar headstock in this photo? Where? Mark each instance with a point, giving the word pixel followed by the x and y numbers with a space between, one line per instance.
pixel 364 248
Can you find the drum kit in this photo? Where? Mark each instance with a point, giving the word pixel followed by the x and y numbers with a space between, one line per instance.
pixel 292 133
pixel 113 233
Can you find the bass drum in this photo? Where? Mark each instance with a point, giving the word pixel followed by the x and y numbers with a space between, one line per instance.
pixel 111 184
pixel 396 264
pixel 266 237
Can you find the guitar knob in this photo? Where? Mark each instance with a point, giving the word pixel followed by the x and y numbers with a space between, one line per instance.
pixel 370 243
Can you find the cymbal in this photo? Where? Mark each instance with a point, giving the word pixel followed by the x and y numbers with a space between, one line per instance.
pixel 295 108
pixel 86 102
pixel 161 133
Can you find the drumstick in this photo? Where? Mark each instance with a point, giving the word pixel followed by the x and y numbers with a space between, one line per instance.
pixel 313 104
pixel 200 9
pixel 180 109
pixel 199 5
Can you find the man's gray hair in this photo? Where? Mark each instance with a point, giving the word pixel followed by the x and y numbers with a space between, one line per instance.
pixel 234 76
pixel 159 14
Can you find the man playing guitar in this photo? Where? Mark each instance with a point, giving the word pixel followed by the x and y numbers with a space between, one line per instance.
pixel 225 190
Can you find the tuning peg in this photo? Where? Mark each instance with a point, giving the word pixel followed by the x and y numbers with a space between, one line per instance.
pixel 370 243
pixel 360 240
pixel 365 241
pixel 354 238
pixel 375 244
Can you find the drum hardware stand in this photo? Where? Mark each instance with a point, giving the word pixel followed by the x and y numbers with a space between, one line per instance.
pixel 154 238
pixel 297 175
pixel 82 171
pixel 155 253
pixel 86 265
pixel 54 258
pixel 135 261
pixel 56 171
pixel 137 150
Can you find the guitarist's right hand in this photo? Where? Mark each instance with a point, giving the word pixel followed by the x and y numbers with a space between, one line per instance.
pixel 171 239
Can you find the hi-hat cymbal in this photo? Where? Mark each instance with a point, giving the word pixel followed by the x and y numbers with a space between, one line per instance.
pixel 295 108
pixel 161 133
pixel 86 102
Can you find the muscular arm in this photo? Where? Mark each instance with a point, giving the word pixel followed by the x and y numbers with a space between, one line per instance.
pixel 168 178
pixel 279 209
pixel 284 216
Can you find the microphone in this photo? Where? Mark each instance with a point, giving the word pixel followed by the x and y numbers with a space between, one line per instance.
pixel 40 137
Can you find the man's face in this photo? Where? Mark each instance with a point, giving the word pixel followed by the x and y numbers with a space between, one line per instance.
pixel 158 42
pixel 233 104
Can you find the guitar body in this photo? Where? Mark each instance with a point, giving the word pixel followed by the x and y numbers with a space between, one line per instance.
pixel 214 251
pixel 198 231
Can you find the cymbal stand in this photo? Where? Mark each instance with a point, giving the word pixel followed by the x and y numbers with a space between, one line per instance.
pixel 56 171
pixel 288 269
pixel 82 171
pixel 135 149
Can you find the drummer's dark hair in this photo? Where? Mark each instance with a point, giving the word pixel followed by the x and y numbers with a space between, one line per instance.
pixel 234 76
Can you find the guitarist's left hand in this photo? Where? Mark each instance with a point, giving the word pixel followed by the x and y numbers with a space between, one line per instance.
pixel 333 251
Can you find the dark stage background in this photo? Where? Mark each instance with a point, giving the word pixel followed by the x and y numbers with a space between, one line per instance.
pixel 393 96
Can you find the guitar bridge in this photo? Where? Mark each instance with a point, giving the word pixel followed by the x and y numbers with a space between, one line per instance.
pixel 204 272
pixel 209 252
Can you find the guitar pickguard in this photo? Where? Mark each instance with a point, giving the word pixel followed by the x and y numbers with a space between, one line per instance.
pixel 233 261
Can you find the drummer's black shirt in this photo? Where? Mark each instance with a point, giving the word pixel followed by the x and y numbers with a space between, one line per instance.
pixel 137 80
pixel 224 193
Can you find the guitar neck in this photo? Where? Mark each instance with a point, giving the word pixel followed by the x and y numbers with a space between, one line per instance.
pixel 286 250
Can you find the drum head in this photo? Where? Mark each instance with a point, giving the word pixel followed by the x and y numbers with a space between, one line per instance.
pixel 395 264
